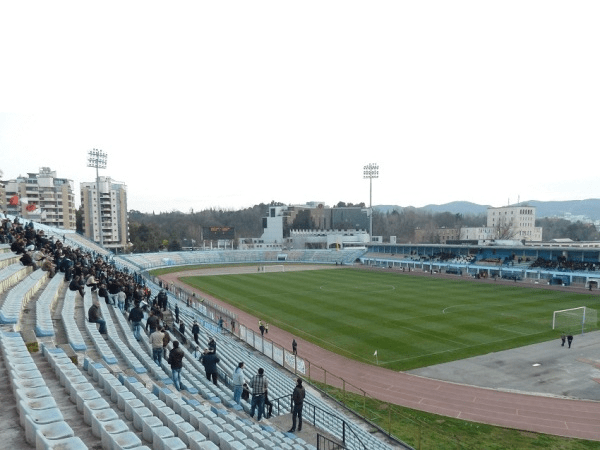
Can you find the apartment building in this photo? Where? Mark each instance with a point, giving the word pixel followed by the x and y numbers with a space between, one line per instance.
pixel 42 197
pixel 105 219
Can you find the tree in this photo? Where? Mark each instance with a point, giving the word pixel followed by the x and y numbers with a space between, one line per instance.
pixel 79 219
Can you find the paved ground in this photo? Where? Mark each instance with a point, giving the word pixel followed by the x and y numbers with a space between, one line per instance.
pixel 503 388
pixel 544 369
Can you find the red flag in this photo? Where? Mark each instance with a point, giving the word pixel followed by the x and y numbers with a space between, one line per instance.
pixel 14 200
pixel 30 207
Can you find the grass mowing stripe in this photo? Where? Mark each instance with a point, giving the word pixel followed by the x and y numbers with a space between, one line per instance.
pixel 354 312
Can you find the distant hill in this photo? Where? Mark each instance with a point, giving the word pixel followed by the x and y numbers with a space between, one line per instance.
pixel 465 208
pixel 589 208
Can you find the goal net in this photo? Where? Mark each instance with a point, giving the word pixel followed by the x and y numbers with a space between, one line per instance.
pixel 272 268
pixel 575 320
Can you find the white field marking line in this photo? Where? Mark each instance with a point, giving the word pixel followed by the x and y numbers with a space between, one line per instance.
pixel 393 288
pixel 453 306
pixel 446 351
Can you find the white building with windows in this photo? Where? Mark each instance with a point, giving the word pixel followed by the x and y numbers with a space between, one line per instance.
pixel 42 197
pixel 506 223
pixel 514 222
pixel 105 203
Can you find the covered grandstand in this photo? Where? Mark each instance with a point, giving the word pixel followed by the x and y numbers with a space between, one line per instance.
pixel 528 263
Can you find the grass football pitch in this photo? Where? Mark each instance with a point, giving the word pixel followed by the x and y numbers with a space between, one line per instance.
pixel 411 321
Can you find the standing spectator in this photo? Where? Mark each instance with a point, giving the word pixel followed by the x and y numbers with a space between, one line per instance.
pixel 113 290
pixel 121 296
pixel 152 322
pixel 166 340
pixel 212 345
pixel 95 316
pixel 210 359
pixel 161 299
pixel 176 363
pixel 570 339
pixel 156 340
pixel 267 327
pixel 182 332
pixel 220 324
pixel 294 346
pixel 297 403
pixel 238 383
pixel 259 385
pixel 232 326
pixel 261 327
pixel 176 313
pixel 135 317
pixel 195 332
pixel 268 405
pixel 103 292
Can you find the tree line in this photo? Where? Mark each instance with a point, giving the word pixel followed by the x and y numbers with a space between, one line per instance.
pixel 151 232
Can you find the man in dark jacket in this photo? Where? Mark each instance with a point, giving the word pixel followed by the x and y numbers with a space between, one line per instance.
pixel 297 403
pixel 113 289
pixel 182 332
pixel 212 345
pixel 161 300
pixel 195 332
pixel 176 362
pixel 152 322
pixel 95 316
pixel 135 317
pixel 103 292
pixel 77 285
pixel 209 360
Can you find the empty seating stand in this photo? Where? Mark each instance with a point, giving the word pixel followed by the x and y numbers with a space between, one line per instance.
pixel 68 318
pixel 19 295
pixel 39 416
pixel 43 325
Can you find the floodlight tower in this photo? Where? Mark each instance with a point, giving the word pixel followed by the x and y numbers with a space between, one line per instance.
pixel 97 159
pixel 371 171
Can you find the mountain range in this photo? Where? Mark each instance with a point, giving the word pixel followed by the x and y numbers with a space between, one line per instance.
pixel 589 208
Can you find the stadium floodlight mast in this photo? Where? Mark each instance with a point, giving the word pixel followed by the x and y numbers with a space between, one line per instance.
pixel 371 171
pixel 97 158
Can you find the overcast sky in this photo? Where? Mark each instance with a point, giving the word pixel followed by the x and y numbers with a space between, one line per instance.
pixel 229 104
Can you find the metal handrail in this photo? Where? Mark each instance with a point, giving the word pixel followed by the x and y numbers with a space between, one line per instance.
pixel 318 412
pixel 324 443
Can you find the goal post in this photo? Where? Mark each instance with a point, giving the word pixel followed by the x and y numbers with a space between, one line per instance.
pixel 573 320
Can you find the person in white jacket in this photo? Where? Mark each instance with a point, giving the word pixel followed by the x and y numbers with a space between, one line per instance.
pixel 238 383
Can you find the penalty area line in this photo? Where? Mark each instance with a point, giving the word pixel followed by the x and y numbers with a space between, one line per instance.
pixel 453 306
